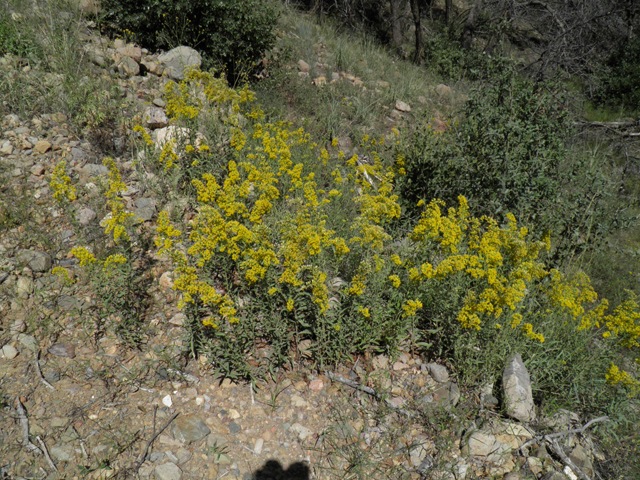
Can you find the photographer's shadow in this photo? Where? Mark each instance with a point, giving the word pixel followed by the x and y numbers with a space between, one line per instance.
pixel 272 470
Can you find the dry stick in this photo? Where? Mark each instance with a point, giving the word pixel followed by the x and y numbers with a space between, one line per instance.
pixel 550 436
pixel 551 440
pixel 369 390
pixel 24 422
pixel 46 454
pixel 36 356
pixel 556 448
pixel 146 448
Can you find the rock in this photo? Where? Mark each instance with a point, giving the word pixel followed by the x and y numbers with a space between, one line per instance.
pixel 92 170
pixel 482 444
pixel 438 125
pixel 7 148
pixel 62 453
pixel 561 420
pixel 479 444
pixel 438 372
pixel 156 457
pixel 155 117
pixel 52 377
pixel 443 90
pixel 127 65
pixel 555 476
pixel 37 170
pixel 37 261
pixel 167 471
pixel 517 390
pixel 320 81
pixel 513 476
pixel 382 84
pixel 234 427
pixel 189 429
pixel 303 66
pixel 62 350
pixel 145 208
pixel 402 106
pixel 301 431
pixel 166 280
pixel 582 460
pixel 180 134
pixel 175 61
pixel 68 303
pixel 316 385
pixel 398 366
pixel 18 327
pixel 166 401
pixel 8 352
pixel 380 362
pixel 42 146
pixel 85 216
pixel 257 449
pixel 171 457
pixel 135 53
pixel 183 455
pixel 24 287
pixel 417 454
pixel 178 319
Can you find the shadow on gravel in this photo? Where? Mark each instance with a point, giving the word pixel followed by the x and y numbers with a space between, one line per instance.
pixel 273 470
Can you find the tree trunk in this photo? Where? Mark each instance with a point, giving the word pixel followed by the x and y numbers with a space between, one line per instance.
pixel 416 11
pixel 396 25
pixel 449 11
pixel 471 24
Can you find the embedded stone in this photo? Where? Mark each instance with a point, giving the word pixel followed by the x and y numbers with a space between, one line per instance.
pixel 177 60
pixel 42 147
pixel 402 106
pixel 517 390
pixel 37 261
pixel 438 372
pixel 155 117
pixel 167 471
pixel 189 429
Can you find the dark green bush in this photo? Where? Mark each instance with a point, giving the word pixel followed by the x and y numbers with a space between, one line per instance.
pixel 621 85
pixel 511 154
pixel 232 34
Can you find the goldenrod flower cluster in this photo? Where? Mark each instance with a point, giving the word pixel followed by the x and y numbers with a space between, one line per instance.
pixel 61 183
pixel 119 217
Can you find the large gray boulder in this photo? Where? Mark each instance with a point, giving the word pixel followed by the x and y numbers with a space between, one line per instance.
pixel 517 390
pixel 175 61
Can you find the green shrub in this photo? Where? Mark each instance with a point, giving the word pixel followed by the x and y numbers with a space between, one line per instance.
pixel 510 154
pixel 621 86
pixel 233 34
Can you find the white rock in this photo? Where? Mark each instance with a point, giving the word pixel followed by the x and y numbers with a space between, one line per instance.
pixel 175 61
pixel 8 352
pixel 167 401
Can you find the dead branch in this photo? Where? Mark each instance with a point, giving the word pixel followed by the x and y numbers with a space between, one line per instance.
pixel 143 455
pixel 369 390
pixel 46 454
pixel 24 423
pixel 36 361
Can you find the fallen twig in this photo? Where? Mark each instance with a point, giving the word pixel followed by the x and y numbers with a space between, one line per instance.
pixel 185 376
pixel 36 361
pixel 558 449
pixel 143 455
pixel 24 423
pixel 369 390
pixel 550 439
pixel 551 436
pixel 46 454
